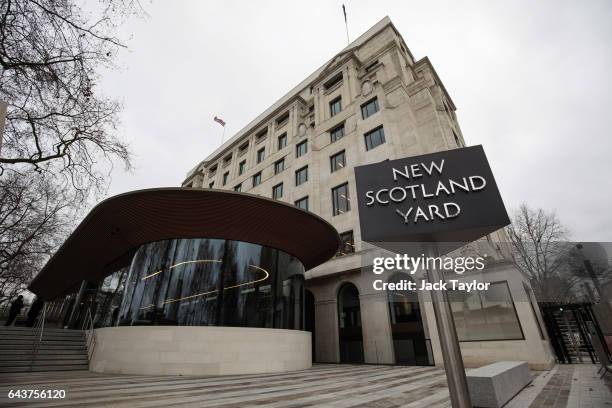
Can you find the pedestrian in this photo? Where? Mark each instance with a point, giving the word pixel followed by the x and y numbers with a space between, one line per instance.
pixel 34 311
pixel 14 310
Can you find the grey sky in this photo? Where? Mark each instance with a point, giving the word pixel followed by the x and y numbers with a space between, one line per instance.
pixel 531 81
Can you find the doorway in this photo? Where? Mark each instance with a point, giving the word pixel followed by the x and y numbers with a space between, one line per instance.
pixel 409 343
pixel 349 322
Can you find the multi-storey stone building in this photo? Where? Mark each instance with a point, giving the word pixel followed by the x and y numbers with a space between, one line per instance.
pixel 373 101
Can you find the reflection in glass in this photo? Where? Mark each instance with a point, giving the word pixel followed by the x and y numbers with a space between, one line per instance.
pixel 213 282
pixel 487 315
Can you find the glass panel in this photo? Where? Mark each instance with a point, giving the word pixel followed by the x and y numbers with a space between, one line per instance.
pixel 337 133
pixel 301 148
pixel 302 203
pixel 369 108
pixel 340 199
pixel 202 282
pixel 489 315
pixel 374 138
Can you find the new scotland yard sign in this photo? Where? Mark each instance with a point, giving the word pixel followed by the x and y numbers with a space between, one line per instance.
pixel 448 197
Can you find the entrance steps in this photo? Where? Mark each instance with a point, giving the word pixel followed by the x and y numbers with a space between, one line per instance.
pixel 59 350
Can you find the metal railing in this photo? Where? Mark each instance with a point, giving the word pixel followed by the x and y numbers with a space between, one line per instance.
pixel 40 326
pixel 90 337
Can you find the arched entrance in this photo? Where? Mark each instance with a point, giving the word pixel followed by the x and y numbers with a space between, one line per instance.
pixel 349 325
pixel 309 319
pixel 409 343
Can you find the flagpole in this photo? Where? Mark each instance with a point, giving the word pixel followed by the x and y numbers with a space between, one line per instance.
pixel 223 134
pixel 348 41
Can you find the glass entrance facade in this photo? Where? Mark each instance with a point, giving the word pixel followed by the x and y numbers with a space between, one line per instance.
pixel 213 282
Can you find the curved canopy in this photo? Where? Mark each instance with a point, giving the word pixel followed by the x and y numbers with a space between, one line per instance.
pixel 108 237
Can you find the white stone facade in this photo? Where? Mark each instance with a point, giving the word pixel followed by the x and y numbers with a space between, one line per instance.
pixel 418 117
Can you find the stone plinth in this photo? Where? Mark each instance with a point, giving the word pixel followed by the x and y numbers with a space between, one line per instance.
pixel 495 384
pixel 175 350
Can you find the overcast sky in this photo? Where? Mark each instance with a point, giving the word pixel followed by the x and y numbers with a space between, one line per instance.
pixel 531 82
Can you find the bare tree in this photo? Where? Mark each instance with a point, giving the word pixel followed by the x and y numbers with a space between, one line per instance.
pixel 57 121
pixel 60 140
pixel 540 249
pixel 34 216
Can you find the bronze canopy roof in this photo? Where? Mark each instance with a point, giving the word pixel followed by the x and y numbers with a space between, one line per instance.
pixel 110 234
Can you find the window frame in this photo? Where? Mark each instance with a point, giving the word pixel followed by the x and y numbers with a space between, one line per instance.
pixel 279 166
pixel 241 167
pixel 340 251
pixel 275 188
pixel 335 203
pixel 332 161
pixel 298 146
pixel 337 101
pixel 298 173
pixel 256 177
pixel 332 132
pixel 364 108
pixel 281 145
pixel 225 178
pixel 516 316
pixel 369 135
pixel 305 198
pixel 261 155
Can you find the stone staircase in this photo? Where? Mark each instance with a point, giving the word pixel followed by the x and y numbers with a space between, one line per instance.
pixel 60 350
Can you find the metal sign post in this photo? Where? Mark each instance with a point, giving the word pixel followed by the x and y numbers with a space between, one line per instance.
pixel 449 342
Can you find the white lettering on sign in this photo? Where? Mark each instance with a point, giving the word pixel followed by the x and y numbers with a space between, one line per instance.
pixel 412 192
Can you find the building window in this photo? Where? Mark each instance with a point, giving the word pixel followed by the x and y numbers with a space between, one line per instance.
pixel 211 184
pixel 241 167
pixel 279 166
pixel 486 315
pixel 225 177
pixel 302 203
pixel 243 149
pixel 333 81
pixel 283 119
pixel 212 171
pixel 335 106
pixel 337 161
pixel 238 187
pixel 257 179
pixel 371 66
pixel 340 200
pixel 277 191
pixel 369 108
pixel 347 244
pixel 301 148
pixel 227 160
pixel 301 176
pixel 261 155
pixel 374 138
pixel 336 133
pixel 282 141
pixel 261 135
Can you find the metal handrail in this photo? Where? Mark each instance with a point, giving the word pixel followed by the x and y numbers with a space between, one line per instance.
pixel 90 338
pixel 40 324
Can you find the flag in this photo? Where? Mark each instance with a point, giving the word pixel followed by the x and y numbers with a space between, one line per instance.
pixel 344 11
pixel 219 121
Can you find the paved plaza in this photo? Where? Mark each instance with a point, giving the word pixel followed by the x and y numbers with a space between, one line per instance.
pixel 327 385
